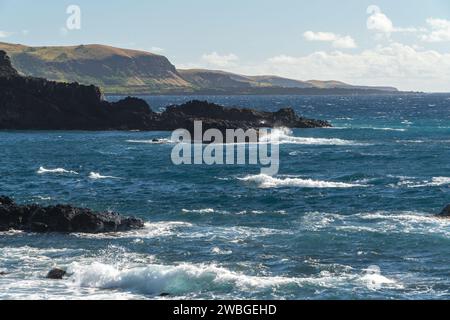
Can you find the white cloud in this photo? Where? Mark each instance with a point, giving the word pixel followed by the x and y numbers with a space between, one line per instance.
pixel 338 41
pixel 400 65
pixel 440 30
pixel 380 23
pixel 218 60
pixel 5 34
pixel 319 36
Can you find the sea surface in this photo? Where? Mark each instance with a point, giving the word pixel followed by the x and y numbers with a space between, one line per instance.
pixel 349 216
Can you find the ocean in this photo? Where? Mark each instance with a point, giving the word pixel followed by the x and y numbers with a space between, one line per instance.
pixel 349 216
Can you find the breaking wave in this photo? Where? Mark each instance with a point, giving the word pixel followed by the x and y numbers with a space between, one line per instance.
pixel 285 136
pixel 265 181
pixel 187 279
pixel 43 170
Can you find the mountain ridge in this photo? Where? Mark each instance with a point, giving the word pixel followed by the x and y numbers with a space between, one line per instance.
pixel 126 71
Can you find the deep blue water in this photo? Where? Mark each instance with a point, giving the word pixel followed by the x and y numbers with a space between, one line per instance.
pixel 350 214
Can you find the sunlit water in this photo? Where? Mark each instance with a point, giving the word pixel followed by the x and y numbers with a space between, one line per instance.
pixel 350 214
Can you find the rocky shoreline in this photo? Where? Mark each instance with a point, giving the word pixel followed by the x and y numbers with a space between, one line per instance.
pixel 28 103
pixel 68 219
pixel 62 219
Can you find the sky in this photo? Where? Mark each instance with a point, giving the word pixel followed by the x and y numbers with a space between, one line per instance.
pixel 401 43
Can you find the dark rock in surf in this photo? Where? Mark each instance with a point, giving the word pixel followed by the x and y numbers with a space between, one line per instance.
pixel 445 213
pixel 61 218
pixel 56 274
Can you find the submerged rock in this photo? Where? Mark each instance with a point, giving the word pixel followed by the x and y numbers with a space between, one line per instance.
pixel 446 212
pixel 164 294
pixel 56 274
pixel 61 218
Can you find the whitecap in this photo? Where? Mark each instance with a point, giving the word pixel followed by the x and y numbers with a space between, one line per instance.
pixel 266 181
pixel 43 170
pixel 218 251
pixel 97 176
pixel 202 211
pixel 43 198
pixel 434 182
pixel 152 141
pixel 384 129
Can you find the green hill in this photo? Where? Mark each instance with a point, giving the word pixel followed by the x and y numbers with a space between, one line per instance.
pixel 114 70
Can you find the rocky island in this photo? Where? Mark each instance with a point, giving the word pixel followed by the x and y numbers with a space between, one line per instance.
pixel 28 103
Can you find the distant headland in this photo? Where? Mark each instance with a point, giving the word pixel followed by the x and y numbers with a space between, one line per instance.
pixel 28 103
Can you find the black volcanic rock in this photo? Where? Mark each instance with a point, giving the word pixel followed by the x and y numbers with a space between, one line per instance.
pixel 28 103
pixel 6 69
pixel 219 117
pixel 56 274
pixel 446 212
pixel 61 218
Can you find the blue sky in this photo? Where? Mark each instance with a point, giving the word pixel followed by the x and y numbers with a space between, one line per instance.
pixel 405 43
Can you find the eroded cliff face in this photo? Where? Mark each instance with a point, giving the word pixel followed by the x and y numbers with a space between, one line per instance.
pixel 28 103
pixel 6 69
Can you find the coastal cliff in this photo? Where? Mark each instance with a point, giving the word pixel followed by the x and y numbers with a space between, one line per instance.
pixel 28 103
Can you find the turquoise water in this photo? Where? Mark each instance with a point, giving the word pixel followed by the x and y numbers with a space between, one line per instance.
pixel 350 214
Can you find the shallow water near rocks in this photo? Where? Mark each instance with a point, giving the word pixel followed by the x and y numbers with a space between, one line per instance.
pixel 350 214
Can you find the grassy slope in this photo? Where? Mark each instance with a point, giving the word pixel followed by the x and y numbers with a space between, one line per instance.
pixel 114 70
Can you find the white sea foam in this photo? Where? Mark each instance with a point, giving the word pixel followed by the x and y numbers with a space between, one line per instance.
pixel 404 222
pixel 43 170
pixel 414 183
pixel 150 230
pixel 97 176
pixel 285 136
pixel 265 181
pixel 177 280
pixel 374 280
